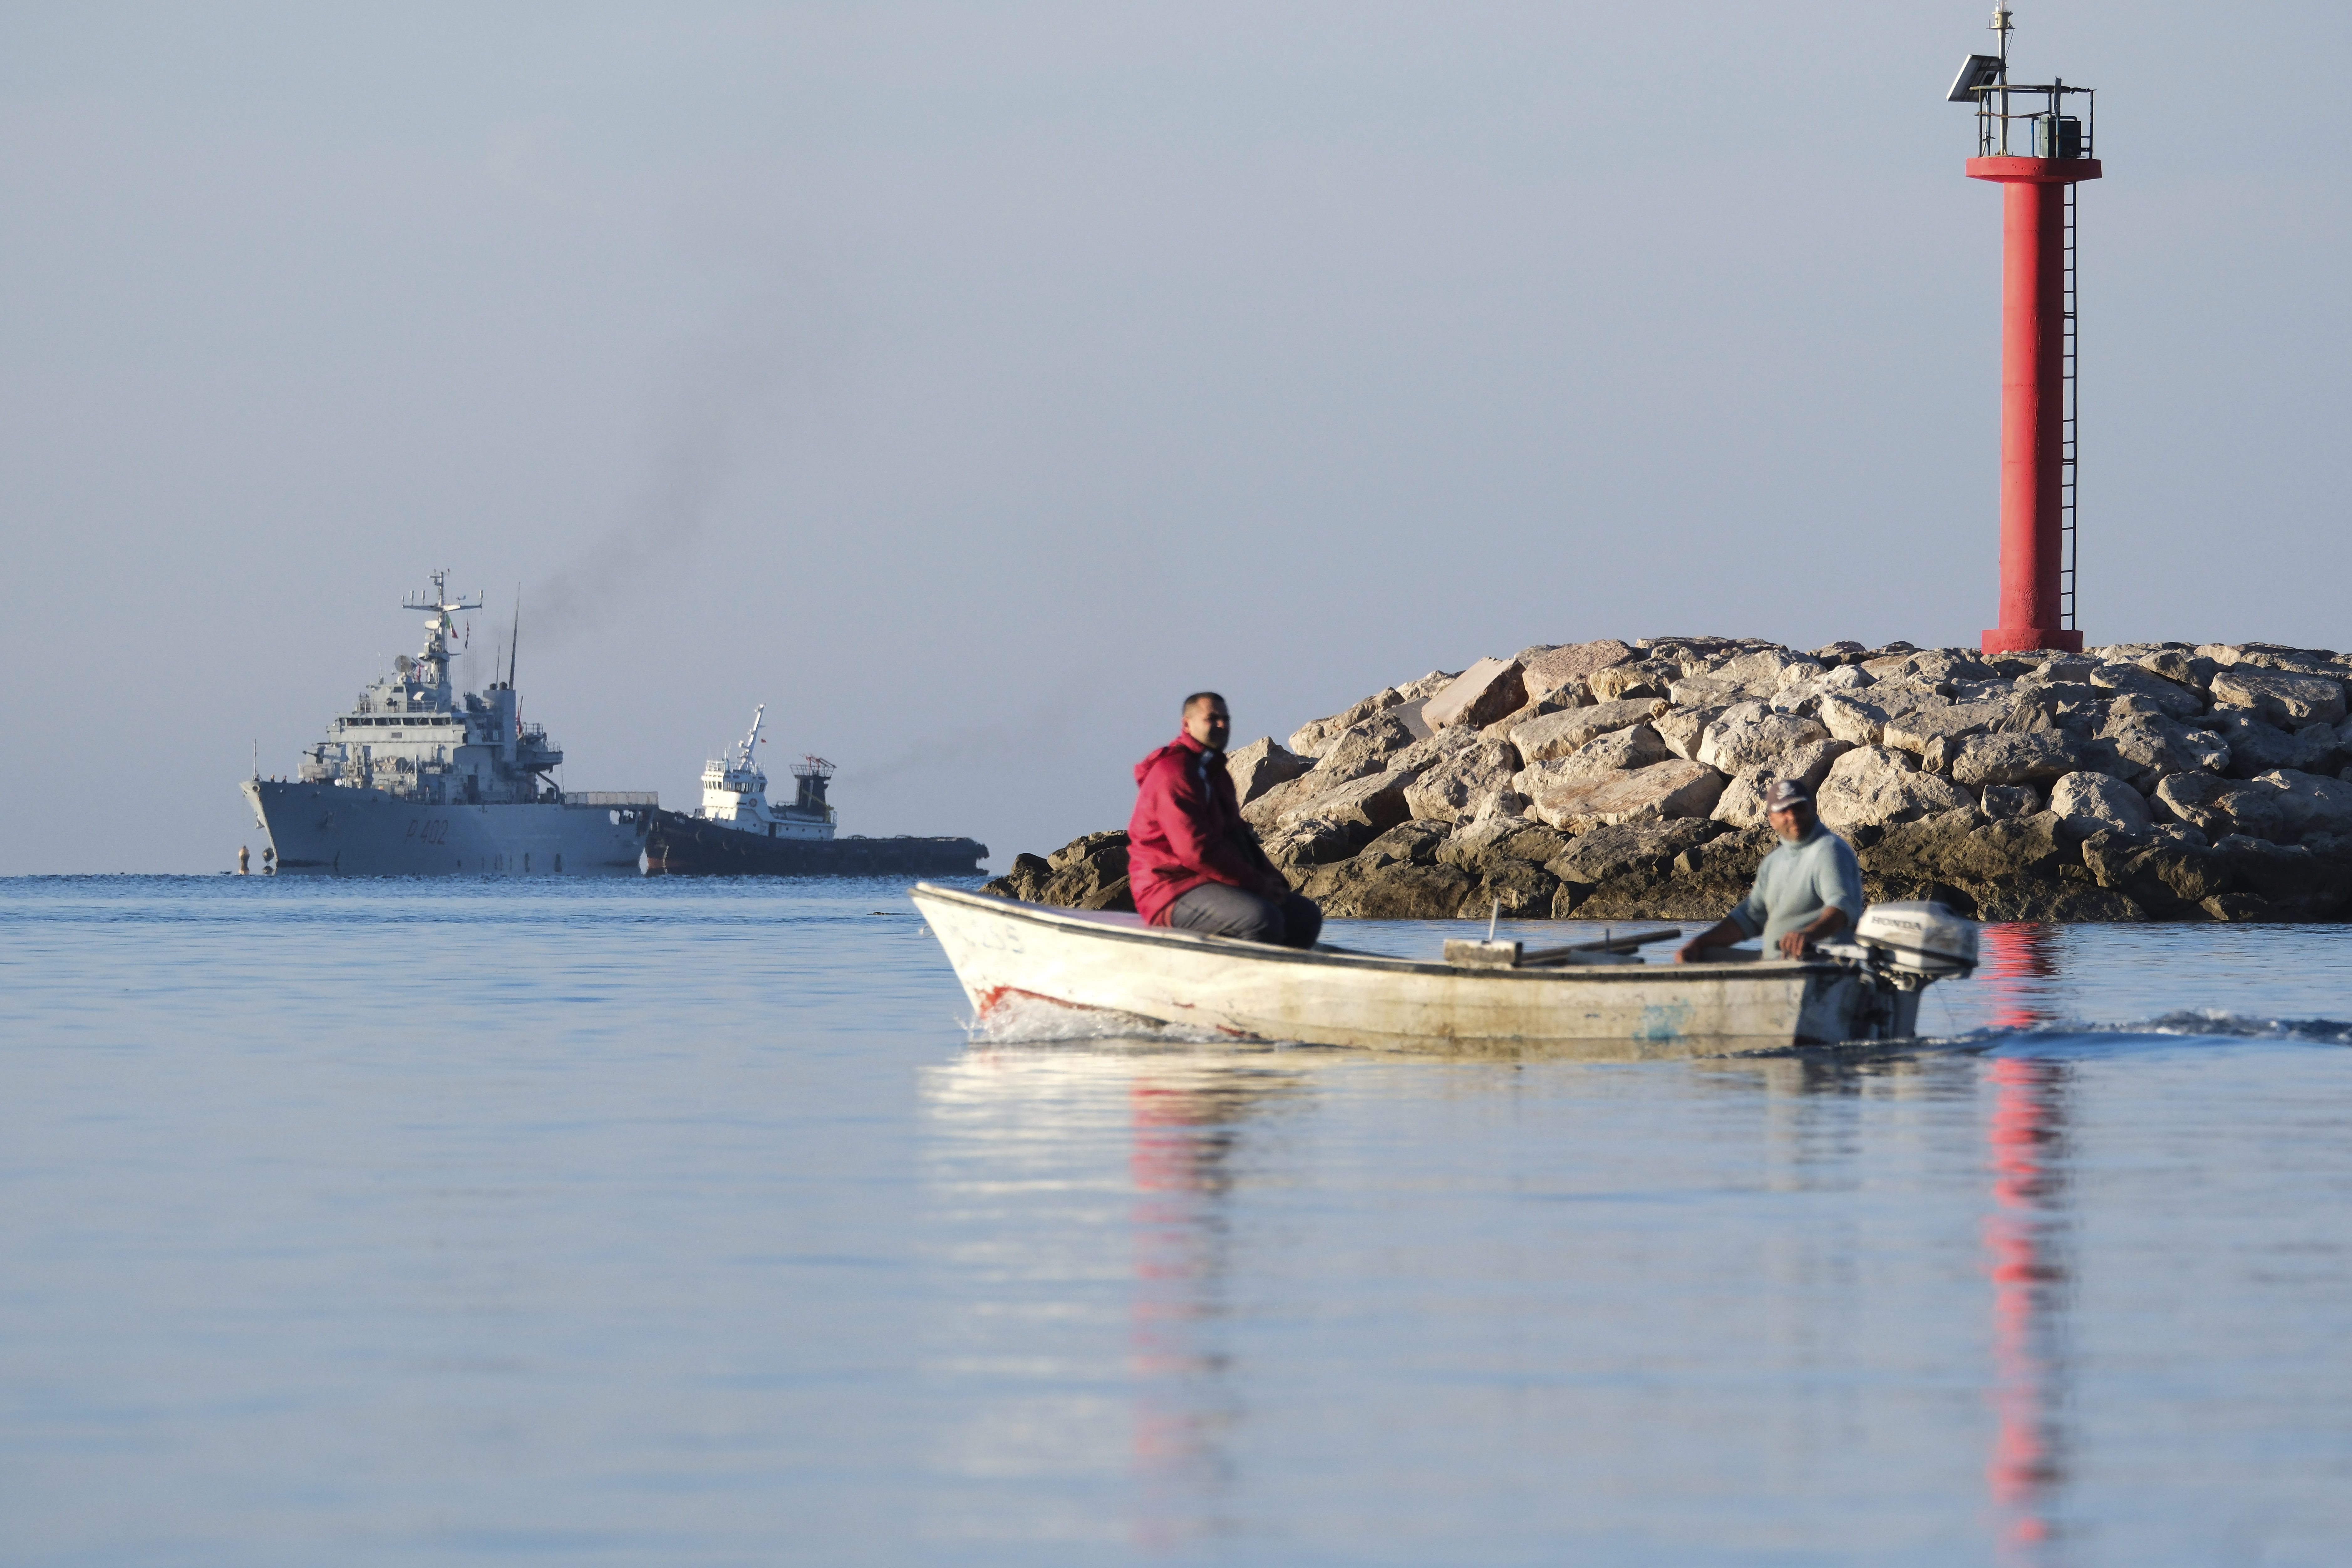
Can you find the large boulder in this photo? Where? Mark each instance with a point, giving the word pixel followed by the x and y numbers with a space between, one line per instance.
pixel 1088 847
pixel 1618 851
pixel 1961 846
pixel 2277 882
pixel 1804 697
pixel 2172 880
pixel 2087 802
pixel 1935 666
pixel 1376 800
pixel 1742 804
pixel 1024 879
pixel 1851 720
pixel 2156 747
pixel 1710 692
pixel 1476 848
pixel 1262 765
pixel 1766 671
pixel 1513 887
pixel 1624 682
pixel 2218 807
pixel 1457 786
pixel 1361 748
pixel 1478 696
pixel 2167 697
pixel 1873 786
pixel 1916 731
pixel 1313 841
pixel 2178 666
pixel 2289 701
pixel 1661 791
pixel 1558 735
pixel 1416 842
pixel 1088 873
pixel 2310 805
pixel 2013 759
pixel 1621 752
pixel 1684 729
pixel 1563 667
pixel 1998 801
pixel 2256 747
pixel 1403 890
pixel 1308 739
pixel 1749 735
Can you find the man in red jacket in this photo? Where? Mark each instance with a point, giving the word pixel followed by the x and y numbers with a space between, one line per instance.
pixel 1190 860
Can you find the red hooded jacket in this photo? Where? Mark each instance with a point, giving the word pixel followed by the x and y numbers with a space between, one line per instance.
pixel 1187 829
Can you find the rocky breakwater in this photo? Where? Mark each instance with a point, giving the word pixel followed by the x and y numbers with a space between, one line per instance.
pixel 1622 781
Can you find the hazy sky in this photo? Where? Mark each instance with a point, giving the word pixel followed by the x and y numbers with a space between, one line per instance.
pixel 967 383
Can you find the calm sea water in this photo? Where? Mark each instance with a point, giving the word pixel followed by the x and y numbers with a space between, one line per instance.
pixel 672 1223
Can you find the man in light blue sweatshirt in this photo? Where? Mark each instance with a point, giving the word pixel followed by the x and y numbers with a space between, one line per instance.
pixel 1807 888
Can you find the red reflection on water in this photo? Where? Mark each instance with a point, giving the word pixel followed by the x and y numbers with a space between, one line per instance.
pixel 1183 1138
pixel 2025 1251
pixel 2019 962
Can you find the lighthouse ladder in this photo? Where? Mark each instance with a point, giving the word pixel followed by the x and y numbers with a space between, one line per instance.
pixel 2069 362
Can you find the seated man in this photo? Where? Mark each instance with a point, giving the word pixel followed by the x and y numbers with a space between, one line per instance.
pixel 1191 861
pixel 1808 887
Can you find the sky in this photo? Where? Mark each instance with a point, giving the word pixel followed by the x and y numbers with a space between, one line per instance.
pixel 969 383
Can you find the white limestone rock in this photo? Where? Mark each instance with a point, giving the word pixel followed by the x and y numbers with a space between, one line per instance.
pixel 1873 786
pixel 1749 735
pixel 2085 802
pixel 1457 786
pixel 1742 804
pixel 1479 694
pixel 2281 698
pixel 1558 734
pixel 2143 686
pixel 1657 792
pixel 2014 759
pixel 1262 765
pixel 2310 805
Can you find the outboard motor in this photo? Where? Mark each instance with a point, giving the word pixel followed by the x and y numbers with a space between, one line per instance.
pixel 1919 939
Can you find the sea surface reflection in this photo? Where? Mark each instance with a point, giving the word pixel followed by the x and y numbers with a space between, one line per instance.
pixel 729 1246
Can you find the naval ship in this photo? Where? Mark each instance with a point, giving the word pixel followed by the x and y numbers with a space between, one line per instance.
pixel 417 779
pixel 738 833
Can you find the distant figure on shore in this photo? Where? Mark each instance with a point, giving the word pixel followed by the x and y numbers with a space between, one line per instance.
pixel 1192 862
pixel 1807 888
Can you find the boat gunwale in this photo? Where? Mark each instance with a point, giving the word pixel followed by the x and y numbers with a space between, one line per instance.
pixel 1622 973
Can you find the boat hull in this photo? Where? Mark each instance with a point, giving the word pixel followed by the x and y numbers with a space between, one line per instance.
pixel 1005 951
pixel 677 845
pixel 327 829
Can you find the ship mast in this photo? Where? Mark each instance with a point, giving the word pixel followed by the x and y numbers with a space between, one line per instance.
pixel 437 606
pixel 743 752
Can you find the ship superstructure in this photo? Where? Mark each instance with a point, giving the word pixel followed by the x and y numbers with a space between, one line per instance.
pixel 735 792
pixel 417 778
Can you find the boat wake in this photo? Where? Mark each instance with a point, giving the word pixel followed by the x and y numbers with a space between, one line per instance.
pixel 2199 1023
pixel 1017 1019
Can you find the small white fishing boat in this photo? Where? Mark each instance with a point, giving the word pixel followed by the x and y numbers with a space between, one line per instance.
pixel 1601 998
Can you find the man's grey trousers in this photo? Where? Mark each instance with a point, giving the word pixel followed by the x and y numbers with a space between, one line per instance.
pixel 1219 910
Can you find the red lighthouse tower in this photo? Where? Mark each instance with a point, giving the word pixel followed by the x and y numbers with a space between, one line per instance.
pixel 2030 145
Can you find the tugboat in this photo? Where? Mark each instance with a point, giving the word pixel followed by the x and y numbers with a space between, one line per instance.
pixel 417 779
pixel 738 833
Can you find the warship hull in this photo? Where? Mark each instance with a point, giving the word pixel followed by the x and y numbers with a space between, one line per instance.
pixel 319 829
pixel 677 845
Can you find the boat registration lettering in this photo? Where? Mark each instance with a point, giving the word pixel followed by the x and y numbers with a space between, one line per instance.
pixel 433 831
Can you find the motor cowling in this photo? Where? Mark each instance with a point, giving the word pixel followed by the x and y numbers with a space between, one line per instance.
pixel 1919 938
